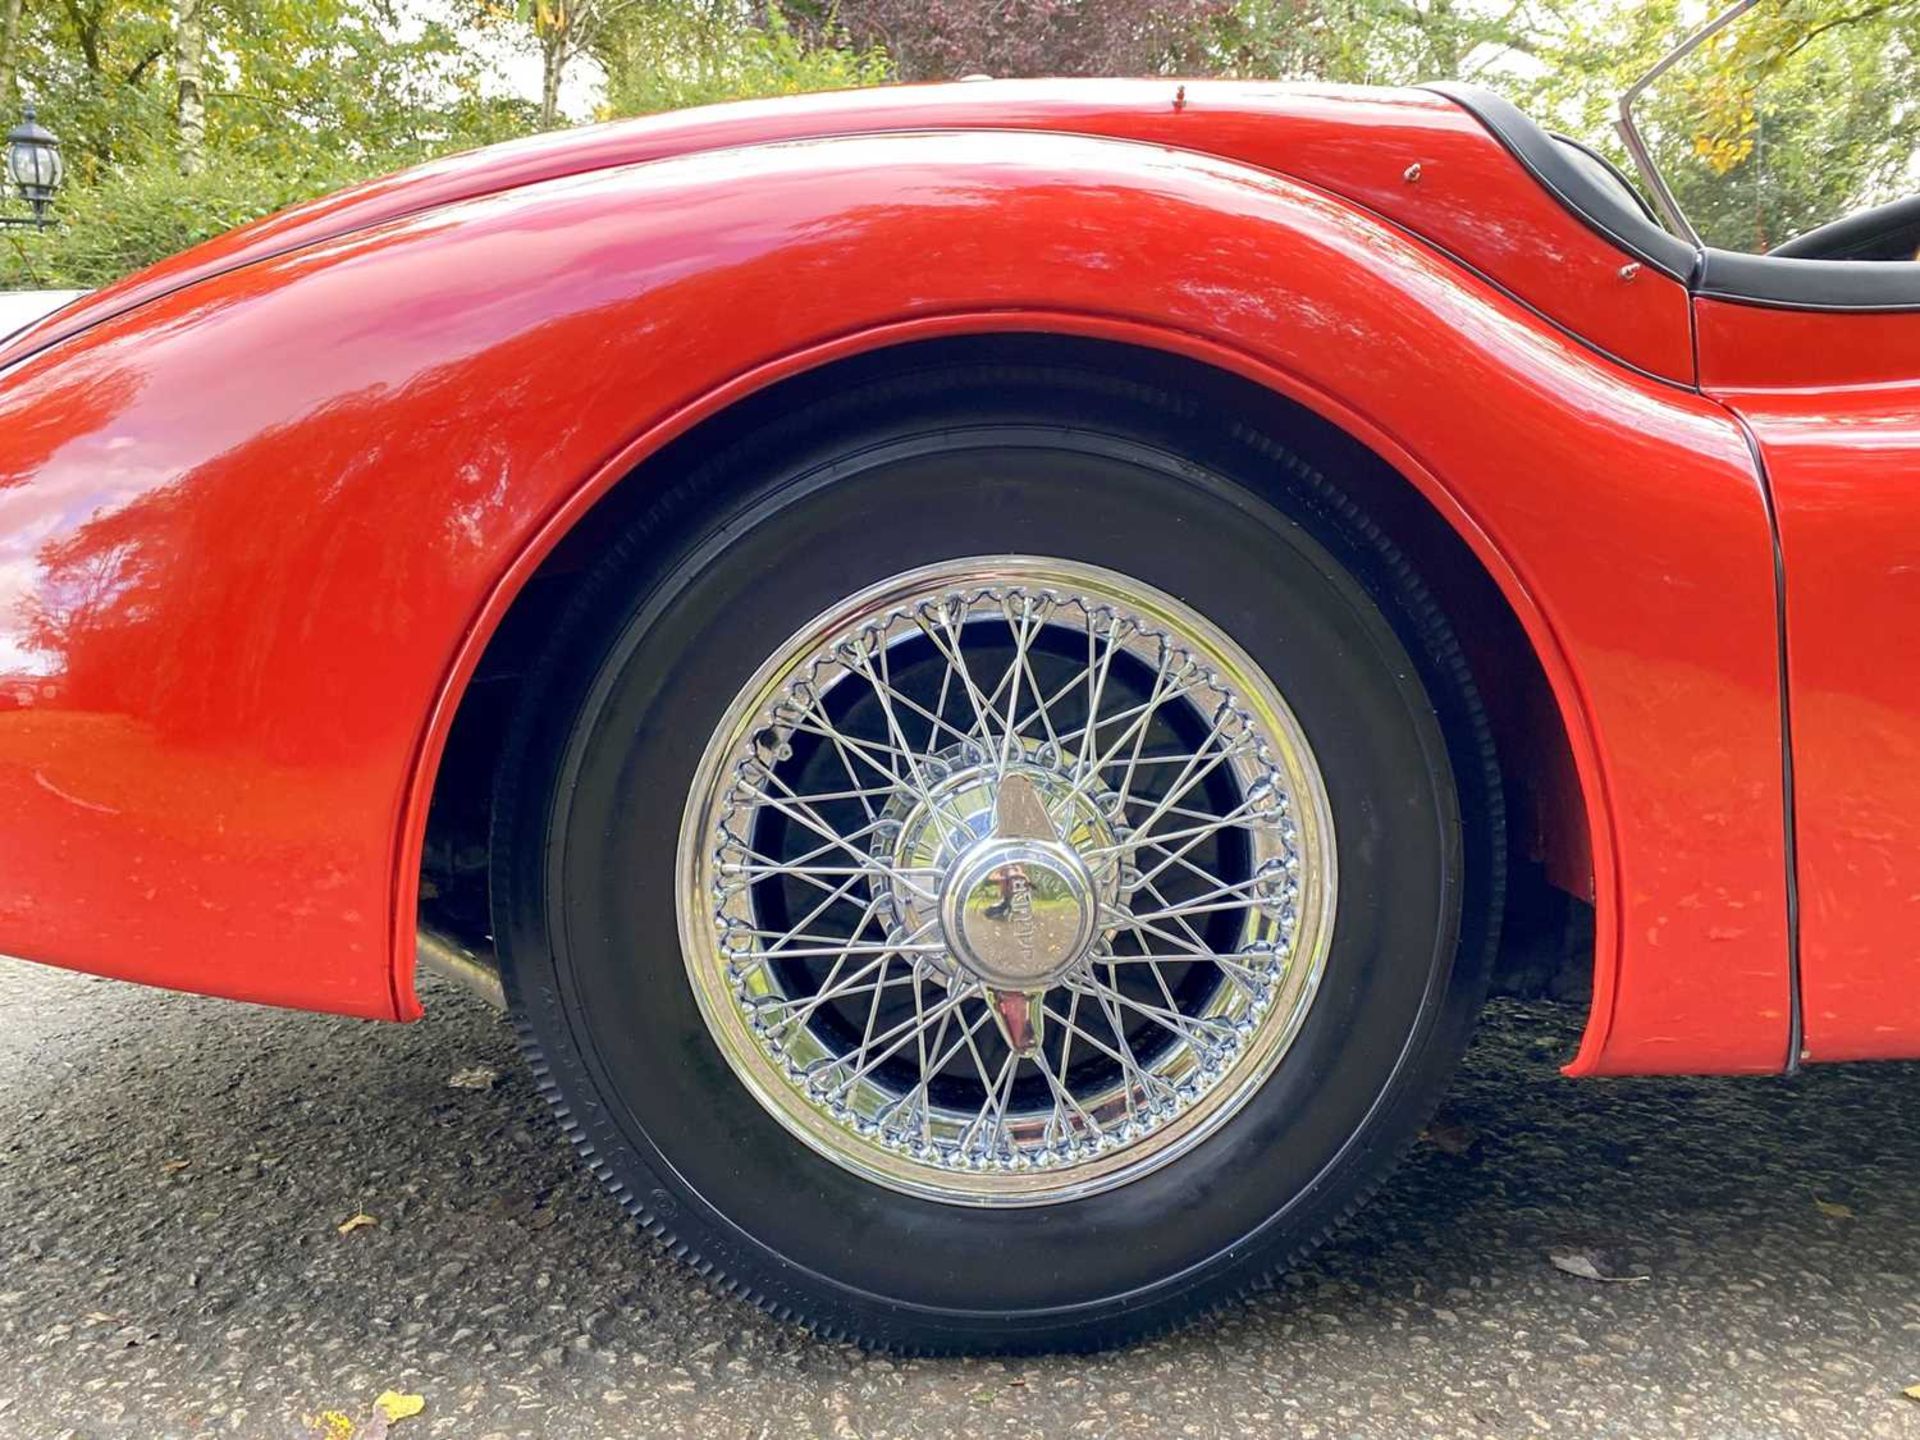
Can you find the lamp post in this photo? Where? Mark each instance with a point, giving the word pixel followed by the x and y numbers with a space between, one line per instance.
pixel 35 168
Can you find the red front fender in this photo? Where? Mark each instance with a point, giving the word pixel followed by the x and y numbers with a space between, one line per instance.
pixel 253 534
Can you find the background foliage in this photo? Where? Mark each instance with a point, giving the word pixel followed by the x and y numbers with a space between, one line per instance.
pixel 184 117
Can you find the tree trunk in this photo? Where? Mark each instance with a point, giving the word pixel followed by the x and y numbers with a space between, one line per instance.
pixel 9 53
pixel 553 68
pixel 189 49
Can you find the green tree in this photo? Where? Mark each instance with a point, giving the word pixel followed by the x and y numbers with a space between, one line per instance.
pixel 1375 42
pixel 1797 114
pixel 294 97
pixel 563 31
pixel 665 54
pixel 95 70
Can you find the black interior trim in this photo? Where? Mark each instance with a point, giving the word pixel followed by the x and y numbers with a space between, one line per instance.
pixel 1780 281
pixel 1886 232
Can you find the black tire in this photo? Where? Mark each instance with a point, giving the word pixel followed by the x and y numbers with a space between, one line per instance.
pixel 791 519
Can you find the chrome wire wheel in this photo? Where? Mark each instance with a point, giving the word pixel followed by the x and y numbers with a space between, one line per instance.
pixel 1006 881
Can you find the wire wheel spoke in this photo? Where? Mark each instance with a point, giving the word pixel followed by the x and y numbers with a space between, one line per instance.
pixel 1009 883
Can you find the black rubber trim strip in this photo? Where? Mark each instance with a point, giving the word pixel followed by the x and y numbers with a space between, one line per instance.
pixel 1614 219
pixel 1768 280
pixel 1796 1014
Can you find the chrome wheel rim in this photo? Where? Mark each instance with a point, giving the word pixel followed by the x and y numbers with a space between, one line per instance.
pixel 1006 881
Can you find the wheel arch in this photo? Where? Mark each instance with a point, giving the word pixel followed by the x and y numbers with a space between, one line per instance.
pixel 1549 763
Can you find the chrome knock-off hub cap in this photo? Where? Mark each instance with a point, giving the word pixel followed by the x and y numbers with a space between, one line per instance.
pixel 1018 914
pixel 1006 881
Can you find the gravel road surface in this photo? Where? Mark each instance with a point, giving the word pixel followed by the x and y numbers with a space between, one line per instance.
pixel 174 1173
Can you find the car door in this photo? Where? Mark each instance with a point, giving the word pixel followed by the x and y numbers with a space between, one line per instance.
pixel 1821 360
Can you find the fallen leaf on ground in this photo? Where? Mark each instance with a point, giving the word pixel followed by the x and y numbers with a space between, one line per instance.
pixel 1912 1392
pixel 1450 1137
pixel 1588 1267
pixel 1832 1209
pixel 396 1406
pixel 174 1167
pixel 474 1077
pixel 357 1221
pixel 331 1425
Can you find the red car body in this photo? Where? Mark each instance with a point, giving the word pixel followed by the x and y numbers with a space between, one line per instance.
pixel 263 507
